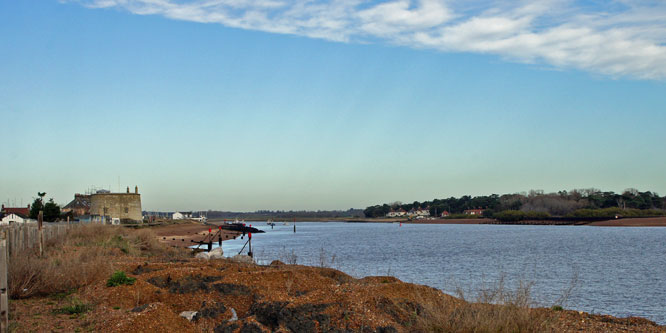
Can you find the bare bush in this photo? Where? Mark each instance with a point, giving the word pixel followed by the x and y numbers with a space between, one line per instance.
pixel 287 257
pixel 324 260
pixel 553 204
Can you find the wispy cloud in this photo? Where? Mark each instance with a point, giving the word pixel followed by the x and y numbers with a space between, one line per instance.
pixel 618 38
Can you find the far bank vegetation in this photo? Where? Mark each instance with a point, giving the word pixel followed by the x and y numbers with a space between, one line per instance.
pixel 537 205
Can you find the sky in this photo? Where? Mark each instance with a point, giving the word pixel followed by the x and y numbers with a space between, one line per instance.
pixel 271 104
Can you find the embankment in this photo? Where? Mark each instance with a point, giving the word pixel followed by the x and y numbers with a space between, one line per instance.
pixel 229 296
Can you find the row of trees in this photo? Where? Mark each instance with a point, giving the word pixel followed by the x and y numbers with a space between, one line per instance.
pixel 561 203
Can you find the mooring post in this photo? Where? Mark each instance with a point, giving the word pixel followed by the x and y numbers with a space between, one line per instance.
pixel 249 244
pixel 4 290
pixel 210 245
pixel 219 239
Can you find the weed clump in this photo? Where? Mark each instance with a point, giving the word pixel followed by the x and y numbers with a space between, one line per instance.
pixel 73 309
pixel 119 278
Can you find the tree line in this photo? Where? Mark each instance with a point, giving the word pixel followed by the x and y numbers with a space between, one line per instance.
pixel 537 204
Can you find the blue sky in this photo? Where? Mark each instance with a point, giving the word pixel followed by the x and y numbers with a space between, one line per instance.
pixel 244 105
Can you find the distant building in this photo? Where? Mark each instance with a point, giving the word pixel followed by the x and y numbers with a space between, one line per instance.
pixel 473 212
pixel 181 215
pixel 13 218
pixel 79 206
pixel 419 212
pixel 396 213
pixel 116 207
pixel 24 211
pixel 445 214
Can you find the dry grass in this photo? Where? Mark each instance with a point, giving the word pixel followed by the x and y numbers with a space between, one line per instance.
pixel 494 309
pixel 57 271
pixel 83 256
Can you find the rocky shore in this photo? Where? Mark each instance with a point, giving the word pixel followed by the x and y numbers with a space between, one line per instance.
pixel 183 234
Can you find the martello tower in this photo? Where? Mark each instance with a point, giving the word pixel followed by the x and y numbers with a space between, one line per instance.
pixel 123 206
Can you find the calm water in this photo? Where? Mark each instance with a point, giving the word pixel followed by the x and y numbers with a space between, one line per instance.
pixel 618 271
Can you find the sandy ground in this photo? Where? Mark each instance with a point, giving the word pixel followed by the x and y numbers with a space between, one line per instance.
pixel 184 234
pixel 635 222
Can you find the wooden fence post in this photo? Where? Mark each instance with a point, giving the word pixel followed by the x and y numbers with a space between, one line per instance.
pixel 4 290
pixel 40 221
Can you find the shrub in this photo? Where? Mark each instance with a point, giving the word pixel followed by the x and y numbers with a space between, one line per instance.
pixel 119 278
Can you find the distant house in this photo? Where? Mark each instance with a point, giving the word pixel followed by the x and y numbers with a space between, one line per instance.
pixel 473 212
pixel 396 213
pixel 181 215
pixel 419 212
pixel 23 211
pixel 423 211
pixel 79 206
pixel 445 214
pixel 13 218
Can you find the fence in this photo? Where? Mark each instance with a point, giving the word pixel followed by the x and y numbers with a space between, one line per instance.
pixel 14 239
pixel 21 237
pixel 4 291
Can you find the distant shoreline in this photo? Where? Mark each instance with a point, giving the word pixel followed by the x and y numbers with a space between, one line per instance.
pixel 623 222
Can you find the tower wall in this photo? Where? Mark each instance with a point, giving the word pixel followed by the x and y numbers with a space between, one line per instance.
pixel 125 206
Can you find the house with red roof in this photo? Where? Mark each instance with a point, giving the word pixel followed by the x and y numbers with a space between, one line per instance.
pixel 473 212
pixel 23 211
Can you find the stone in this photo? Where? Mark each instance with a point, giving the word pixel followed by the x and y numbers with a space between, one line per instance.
pixel 276 263
pixel 243 259
pixel 202 255
pixel 189 315
pixel 140 308
pixel 216 253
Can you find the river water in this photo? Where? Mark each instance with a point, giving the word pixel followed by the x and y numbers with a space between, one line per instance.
pixel 617 271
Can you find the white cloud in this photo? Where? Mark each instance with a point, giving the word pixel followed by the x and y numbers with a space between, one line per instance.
pixel 396 17
pixel 619 38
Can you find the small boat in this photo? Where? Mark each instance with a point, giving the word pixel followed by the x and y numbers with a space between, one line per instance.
pixel 241 227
